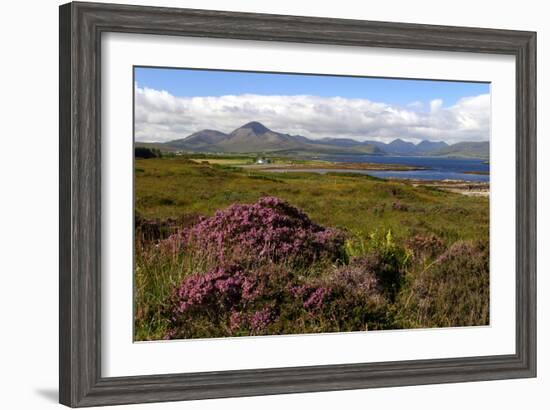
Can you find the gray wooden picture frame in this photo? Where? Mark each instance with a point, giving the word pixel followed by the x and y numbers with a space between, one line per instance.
pixel 81 27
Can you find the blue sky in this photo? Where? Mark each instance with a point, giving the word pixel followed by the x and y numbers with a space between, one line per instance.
pixel 193 83
pixel 174 103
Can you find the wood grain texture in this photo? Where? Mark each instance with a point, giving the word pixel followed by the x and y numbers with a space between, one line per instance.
pixel 81 26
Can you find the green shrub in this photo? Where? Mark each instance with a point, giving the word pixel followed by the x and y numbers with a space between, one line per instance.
pixel 146 153
pixel 381 255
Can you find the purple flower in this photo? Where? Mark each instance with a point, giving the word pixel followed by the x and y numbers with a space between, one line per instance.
pixel 316 300
pixel 236 320
pixel 269 230
pixel 261 319
pixel 218 287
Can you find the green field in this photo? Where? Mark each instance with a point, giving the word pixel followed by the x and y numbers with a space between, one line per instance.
pixel 443 286
pixel 172 187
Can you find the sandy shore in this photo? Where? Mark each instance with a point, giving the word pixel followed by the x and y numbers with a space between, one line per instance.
pixel 459 187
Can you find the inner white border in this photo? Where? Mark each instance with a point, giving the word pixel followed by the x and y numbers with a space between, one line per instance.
pixel 122 357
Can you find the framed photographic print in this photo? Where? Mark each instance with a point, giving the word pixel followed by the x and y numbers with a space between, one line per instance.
pixel 259 204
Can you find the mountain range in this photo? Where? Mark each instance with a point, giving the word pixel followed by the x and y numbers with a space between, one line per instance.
pixel 254 137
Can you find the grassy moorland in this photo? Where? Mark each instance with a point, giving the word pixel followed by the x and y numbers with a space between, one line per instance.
pixel 223 250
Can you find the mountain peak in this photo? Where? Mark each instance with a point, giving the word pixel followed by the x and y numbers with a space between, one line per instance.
pixel 429 143
pixel 400 141
pixel 256 127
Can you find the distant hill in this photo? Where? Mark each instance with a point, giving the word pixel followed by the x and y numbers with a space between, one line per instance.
pixel 199 141
pixel 465 149
pixel 405 148
pixel 254 137
pixel 400 147
pixel 429 147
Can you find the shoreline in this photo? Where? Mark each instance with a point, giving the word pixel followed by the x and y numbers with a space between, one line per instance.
pixel 347 166
pixel 459 186
pixel 479 189
pixel 463 187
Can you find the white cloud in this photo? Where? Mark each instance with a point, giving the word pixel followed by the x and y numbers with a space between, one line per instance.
pixel 417 105
pixel 435 105
pixel 160 116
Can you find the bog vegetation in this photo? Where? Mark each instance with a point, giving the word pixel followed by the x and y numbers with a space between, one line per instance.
pixel 224 251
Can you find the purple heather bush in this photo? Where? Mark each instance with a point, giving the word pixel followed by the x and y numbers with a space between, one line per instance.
pixel 227 301
pixel 426 246
pixel 256 280
pixel 357 299
pixel 233 301
pixel 270 230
